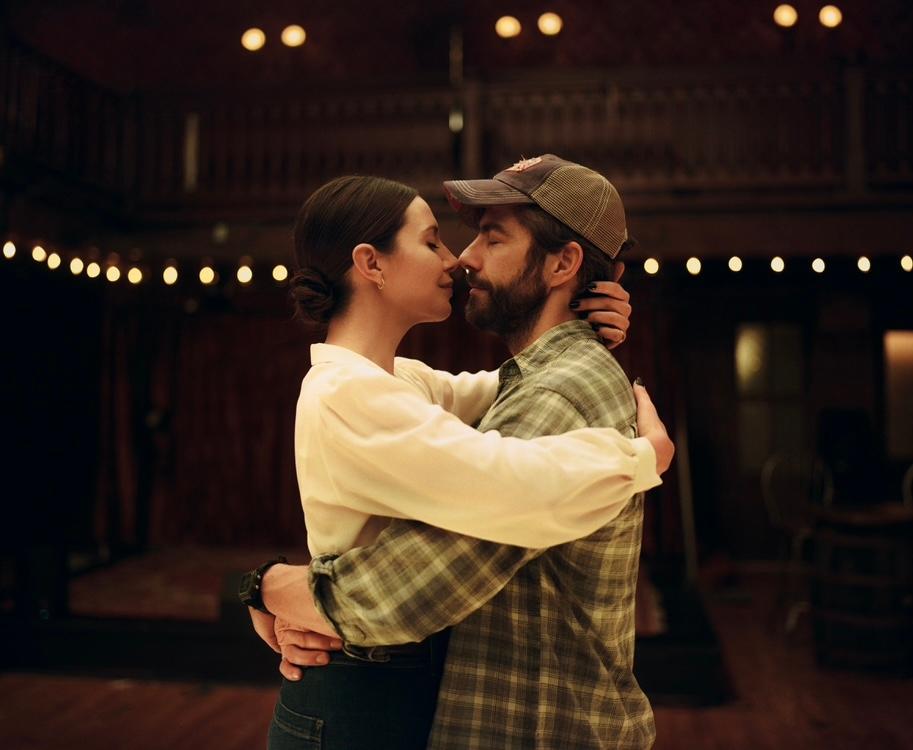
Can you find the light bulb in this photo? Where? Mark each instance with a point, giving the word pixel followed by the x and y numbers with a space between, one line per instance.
pixel 550 24
pixel 785 16
pixel 293 36
pixel 253 39
pixel 507 27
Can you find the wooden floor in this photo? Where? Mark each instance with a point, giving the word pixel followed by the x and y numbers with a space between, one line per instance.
pixel 783 702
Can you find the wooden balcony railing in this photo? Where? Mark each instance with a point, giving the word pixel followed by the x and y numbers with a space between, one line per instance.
pixel 58 122
pixel 888 128
pixel 270 151
pixel 839 133
pixel 709 132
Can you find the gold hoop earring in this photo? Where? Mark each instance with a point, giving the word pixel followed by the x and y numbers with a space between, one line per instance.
pixel 381 284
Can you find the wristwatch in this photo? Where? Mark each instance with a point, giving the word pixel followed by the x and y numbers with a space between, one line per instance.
pixel 250 591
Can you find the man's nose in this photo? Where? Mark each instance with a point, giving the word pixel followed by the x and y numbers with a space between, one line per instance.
pixel 469 258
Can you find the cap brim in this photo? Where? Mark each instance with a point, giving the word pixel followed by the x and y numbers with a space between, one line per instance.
pixel 468 196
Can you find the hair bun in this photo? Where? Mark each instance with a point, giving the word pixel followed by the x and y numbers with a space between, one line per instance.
pixel 314 294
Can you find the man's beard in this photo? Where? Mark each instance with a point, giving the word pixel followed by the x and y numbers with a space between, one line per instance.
pixel 510 311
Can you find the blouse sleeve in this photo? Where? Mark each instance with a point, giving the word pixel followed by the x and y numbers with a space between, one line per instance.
pixel 379 448
pixel 467 395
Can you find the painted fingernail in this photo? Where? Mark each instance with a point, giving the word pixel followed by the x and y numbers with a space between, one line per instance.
pixel 638 381
pixel 574 304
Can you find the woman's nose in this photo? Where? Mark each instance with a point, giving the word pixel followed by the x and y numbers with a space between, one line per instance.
pixel 451 263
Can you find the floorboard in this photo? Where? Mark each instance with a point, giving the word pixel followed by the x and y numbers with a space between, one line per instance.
pixel 783 701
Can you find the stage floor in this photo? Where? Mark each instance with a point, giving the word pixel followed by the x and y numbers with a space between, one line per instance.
pixel 187 584
pixel 168 584
pixel 783 700
pixel 173 614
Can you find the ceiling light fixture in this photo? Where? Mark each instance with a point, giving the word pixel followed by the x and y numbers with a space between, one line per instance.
pixel 830 16
pixel 253 39
pixel 293 36
pixel 507 27
pixel 785 16
pixel 550 24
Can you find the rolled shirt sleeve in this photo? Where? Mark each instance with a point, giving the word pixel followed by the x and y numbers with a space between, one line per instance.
pixel 414 581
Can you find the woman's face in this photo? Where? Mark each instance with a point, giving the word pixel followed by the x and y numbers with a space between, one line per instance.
pixel 417 280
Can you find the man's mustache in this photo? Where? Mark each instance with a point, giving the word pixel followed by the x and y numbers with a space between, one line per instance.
pixel 475 281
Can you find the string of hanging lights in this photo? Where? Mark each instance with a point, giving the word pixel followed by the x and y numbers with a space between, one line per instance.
pixel 207 273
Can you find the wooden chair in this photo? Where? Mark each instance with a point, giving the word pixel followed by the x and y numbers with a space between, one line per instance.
pixel 792 485
pixel 862 597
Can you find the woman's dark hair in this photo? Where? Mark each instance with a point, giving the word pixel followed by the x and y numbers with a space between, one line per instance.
pixel 334 219
pixel 550 235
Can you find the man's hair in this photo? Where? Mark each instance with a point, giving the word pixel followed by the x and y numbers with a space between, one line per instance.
pixel 549 235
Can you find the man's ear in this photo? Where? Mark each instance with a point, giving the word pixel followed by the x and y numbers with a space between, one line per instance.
pixel 365 262
pixel 565 265
pixel 618 269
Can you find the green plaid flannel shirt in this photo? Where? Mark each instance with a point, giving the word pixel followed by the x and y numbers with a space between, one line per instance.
pixel 542 648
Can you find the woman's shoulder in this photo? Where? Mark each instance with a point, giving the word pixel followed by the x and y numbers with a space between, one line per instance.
pixel 350 385
pixel 329 377
pixel 406 365
pixel 417 374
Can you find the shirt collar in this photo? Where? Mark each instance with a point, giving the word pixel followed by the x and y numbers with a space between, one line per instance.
pixel 548 346
pixel 323 353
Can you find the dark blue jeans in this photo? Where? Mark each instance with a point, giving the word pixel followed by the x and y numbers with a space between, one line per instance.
pixel 360 705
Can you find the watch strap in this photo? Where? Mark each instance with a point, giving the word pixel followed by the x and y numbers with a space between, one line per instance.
pixel 250 591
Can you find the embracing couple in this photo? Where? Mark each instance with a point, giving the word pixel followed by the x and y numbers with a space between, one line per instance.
pixel 475 538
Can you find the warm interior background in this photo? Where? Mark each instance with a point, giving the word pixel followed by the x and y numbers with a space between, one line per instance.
pixel 145 417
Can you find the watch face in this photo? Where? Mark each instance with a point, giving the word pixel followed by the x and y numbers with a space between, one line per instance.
pixel 248 587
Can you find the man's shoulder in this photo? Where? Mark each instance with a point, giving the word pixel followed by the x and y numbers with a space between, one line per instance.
pixel 584 365
pixel 590 378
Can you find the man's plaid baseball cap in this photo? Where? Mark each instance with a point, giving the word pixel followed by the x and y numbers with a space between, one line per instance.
pixel 576 196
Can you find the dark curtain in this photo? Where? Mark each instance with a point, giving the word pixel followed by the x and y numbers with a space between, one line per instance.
pixel 229 475
pixel 197 432
pixel 199 408
pixel 653 352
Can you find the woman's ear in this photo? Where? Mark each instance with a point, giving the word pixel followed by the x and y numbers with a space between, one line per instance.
pixel 565 265
pixel 364 260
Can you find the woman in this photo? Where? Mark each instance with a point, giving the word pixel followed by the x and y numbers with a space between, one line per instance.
pixel 379 436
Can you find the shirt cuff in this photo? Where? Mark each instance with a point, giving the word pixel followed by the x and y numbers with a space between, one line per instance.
pixel 321 578
pixel 645 477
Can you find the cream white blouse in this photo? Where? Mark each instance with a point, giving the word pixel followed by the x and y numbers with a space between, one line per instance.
pixel 370 446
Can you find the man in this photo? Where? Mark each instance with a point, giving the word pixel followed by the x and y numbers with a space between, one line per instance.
pixel 541 651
